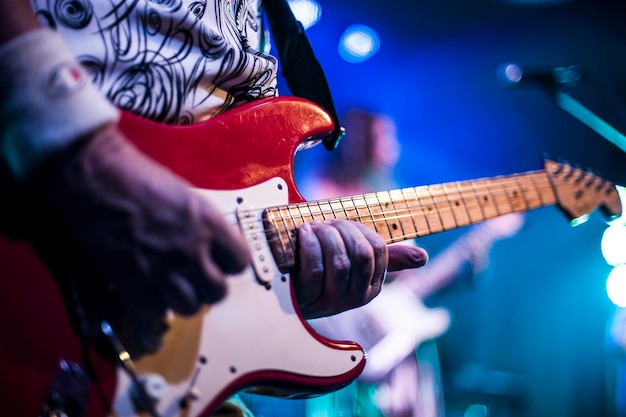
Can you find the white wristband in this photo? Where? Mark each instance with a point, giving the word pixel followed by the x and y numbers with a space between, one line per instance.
pixel 47 100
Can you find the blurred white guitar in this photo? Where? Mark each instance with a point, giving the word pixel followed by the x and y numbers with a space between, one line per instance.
pixel 396 322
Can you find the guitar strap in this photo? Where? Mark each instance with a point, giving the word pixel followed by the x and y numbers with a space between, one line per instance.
pixel 300 68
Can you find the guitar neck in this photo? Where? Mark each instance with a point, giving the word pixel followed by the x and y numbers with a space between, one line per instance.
pixel 409 213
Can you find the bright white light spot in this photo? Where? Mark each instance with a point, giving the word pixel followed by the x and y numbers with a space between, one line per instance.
pixel 613 244
pixel 358 43
pixel 307 12
pixel 616 286
pixel 579 220
pixel 511 72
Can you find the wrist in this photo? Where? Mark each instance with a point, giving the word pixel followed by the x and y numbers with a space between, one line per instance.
pixel 47 101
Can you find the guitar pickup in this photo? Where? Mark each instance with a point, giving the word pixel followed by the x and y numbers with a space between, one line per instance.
pixel 251 224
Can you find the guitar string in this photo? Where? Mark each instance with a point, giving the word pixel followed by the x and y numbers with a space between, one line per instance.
pixel 445 202
pixel 531 196
pixel 534 190
pixel 444 207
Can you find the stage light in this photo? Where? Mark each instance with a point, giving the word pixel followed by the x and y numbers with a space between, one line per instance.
pixel 616 286
pixel 613 244
pixel 358 43
pixel 307 12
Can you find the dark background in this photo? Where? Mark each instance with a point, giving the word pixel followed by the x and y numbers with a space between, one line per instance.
pixel 529 338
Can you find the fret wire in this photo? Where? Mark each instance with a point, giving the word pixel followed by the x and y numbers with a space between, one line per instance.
pixel 464 189
pixel 509 186
pixel 520 194
pixel 290 214
pixel 383 211
pixel 369 209
pixel 349 202
pixel 493 198
pixel 295 208
pixel 414 217
pixel 537 188
pixel 313 208
pixel 522 185
pixel 499 193
pixel 464 204
pixel 321 211
pixel 436 205
pixel 399 213
pixel 357 205
pixel 445 209
pixel 479 200
pixel 441 193
pixel 476 198
pixel 476 190
pixel 421 205
pixel 408 215
pixel 423 193
pixel 302 216
pixel 291 248
pixel 340 203
pixel 397 210
pixel 269 215
pixel 505 184
pixel 456 206
pixel 525 189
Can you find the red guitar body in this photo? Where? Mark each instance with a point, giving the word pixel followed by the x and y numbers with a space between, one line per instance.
pixel 239 149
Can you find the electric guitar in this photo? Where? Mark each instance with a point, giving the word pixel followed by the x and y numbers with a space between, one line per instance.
pixel 255 337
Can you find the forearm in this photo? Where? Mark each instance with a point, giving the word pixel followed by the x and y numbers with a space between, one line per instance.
pixel 42 110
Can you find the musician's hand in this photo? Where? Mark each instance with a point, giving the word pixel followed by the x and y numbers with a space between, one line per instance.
pixel 144 231
pixel 342 265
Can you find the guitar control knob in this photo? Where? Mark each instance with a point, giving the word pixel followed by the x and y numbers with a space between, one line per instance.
pixel 152 388
pixel 193 394
pixel 155 386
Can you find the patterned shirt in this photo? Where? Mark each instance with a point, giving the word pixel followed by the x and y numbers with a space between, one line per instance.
pixel 173 61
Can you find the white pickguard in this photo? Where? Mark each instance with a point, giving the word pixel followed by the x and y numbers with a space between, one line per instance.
pixel 255 329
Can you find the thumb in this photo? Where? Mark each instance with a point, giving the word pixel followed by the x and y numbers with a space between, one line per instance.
pixel 404 257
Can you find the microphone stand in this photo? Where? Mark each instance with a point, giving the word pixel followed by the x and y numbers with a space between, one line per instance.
pixel 589 118
pixel 552 81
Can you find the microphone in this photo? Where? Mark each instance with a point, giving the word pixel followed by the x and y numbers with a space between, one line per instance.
pixel 552 79
pixel 514 75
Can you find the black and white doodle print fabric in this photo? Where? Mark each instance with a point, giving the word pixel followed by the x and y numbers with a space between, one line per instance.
pixel 173 61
